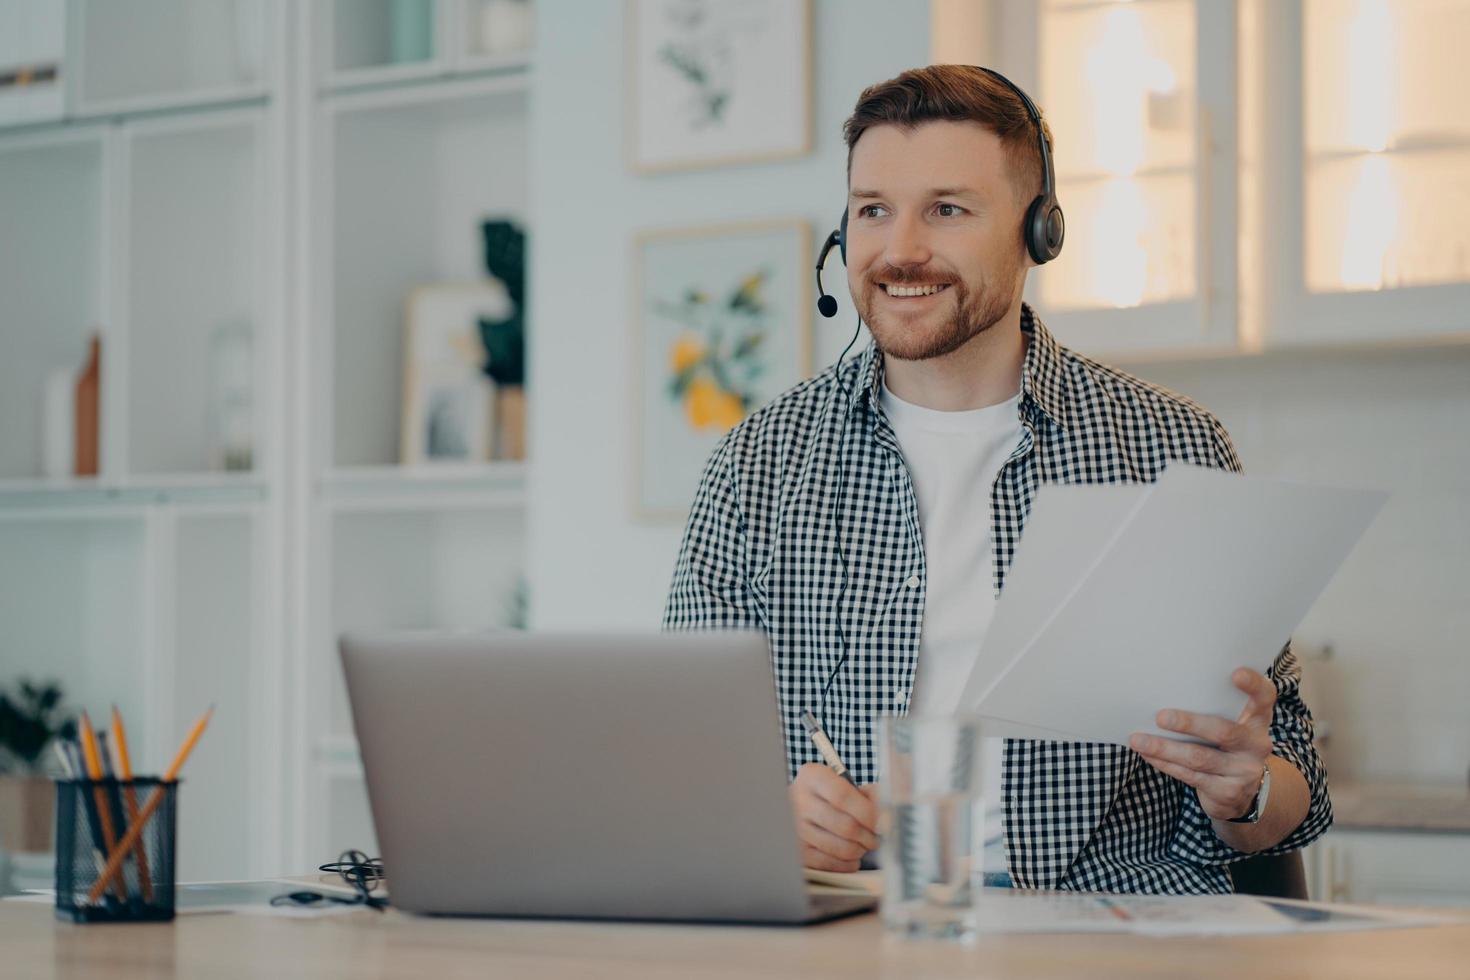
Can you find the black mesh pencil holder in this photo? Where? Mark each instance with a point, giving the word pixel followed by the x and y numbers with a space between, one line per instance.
pixel 89 813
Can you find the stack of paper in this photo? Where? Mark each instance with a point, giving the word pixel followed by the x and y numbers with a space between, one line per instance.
pixel 1124 600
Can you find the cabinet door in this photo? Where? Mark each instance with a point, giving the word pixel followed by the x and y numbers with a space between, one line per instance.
pixel 159 54
pixel 52 289
pixel 360 42
pixel 32 56
pixel 191 227
pixel 1392 868
pixel 1366 213
pixel 1141 102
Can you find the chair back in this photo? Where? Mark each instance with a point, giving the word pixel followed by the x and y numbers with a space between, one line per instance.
pixel 1271 876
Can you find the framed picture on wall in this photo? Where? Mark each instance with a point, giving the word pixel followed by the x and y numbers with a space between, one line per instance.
pixel 712 82
pixel 448 401
pixel 723 324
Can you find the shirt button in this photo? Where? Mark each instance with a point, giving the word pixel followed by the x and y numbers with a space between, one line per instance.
pixel 913 582
pixel 901 697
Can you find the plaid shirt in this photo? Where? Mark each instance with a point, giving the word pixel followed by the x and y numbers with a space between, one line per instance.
pixel 760 551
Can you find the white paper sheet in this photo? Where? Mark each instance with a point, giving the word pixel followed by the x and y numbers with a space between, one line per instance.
pixel 1122 601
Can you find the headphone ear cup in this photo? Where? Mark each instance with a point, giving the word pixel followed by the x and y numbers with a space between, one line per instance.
pixel 842 237
pixel 1044 229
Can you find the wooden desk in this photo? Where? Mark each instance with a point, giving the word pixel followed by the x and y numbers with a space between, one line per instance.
pixel 365 945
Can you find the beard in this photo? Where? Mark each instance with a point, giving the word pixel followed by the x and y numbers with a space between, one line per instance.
pixel 964 313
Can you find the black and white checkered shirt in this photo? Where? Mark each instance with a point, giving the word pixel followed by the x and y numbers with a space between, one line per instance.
pixel 760 551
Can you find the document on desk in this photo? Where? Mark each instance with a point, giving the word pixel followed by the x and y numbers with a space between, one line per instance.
pixel 1029 910
pixel 1014 910
pixel 1126 599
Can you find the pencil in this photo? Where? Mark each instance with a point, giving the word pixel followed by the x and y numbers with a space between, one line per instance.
pixel 125 773
pixel 115 858
pixel 104 810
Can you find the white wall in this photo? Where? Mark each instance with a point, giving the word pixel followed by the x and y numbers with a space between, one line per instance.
pixel 591 565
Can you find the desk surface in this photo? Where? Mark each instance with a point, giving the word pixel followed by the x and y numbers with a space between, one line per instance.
pixel 365 944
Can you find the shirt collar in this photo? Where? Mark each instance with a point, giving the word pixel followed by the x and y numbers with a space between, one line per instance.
pixel 1043 374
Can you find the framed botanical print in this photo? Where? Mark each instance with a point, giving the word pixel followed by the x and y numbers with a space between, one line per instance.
pixel 711 82
pixel 723 324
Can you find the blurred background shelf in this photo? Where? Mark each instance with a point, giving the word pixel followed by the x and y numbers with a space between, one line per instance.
pixel 59 496
pixel 382 488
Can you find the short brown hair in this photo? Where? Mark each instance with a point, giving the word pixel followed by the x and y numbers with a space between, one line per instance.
pixel 955 93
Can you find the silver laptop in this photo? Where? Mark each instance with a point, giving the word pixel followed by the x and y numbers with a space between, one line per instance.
pixel 625 777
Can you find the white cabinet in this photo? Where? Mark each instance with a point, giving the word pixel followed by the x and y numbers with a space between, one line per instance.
pixel 158 609
pixel 1365 223
pixel 32 61
pixel 149 233
pixel 159 54
pixel 1141 100
pixel 1249 175
pixel 1390 868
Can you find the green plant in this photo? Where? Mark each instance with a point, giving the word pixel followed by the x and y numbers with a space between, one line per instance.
pixel 505 340
pixel 28 723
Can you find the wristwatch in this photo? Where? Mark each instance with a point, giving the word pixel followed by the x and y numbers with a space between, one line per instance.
pixel 1258 805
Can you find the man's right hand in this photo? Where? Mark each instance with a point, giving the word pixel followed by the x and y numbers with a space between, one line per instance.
pixel 836 822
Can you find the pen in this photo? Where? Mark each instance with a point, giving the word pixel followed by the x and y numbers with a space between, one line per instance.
pixel 60 750
pixel 824 745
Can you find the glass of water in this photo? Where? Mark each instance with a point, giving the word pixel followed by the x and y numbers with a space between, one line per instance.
pixel 932 822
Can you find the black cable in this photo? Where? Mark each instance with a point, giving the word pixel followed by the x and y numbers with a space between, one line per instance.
pixel 837 520
pixel 363 873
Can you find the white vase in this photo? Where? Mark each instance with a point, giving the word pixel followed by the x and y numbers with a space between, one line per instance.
pixel 58 426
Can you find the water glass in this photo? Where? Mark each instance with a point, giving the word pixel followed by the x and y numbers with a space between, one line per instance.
pixel 932 818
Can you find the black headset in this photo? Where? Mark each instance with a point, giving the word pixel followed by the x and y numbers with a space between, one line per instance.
pixel 1043 227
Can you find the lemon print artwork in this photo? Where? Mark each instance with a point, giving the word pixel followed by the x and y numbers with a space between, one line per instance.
pixel 715 363
pixel 723 325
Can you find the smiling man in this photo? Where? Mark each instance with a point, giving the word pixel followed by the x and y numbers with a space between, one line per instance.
pixel 866 520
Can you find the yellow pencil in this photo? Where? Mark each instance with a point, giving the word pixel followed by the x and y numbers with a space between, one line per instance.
pixel 115 858
pixel 125 773
pixel 93 760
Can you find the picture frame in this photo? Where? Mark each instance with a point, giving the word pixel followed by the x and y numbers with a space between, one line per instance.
pixel 722 324
pixel 448 410
pixel 712 83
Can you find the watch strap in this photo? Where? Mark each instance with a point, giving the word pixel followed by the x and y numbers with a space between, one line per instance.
pixel 1258 804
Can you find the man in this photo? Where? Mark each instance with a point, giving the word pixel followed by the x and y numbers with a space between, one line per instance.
pixel 866 519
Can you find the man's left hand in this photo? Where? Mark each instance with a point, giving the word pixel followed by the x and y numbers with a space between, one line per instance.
pixel 1227 776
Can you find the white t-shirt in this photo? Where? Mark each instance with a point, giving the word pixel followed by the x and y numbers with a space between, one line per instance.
pixel 953 459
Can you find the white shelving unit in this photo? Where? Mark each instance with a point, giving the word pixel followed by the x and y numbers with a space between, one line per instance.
pixel 405 157
pixel 238 183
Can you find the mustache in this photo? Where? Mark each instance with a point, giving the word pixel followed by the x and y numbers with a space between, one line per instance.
pixel 910 277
